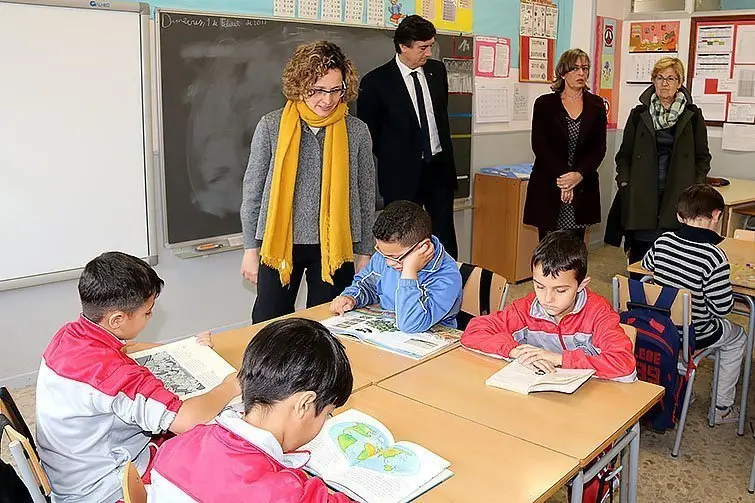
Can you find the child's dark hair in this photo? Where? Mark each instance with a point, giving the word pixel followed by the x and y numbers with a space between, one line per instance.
pixel 698 201
pixel 561 251
pixel 116 281
pixel 403 222
pixel 412 29
pixel 294 355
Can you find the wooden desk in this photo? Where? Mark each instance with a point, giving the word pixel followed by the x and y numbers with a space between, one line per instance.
pixel 739 193
pixel 740 253
pixel 488 465
pixel 368 364
pixel 580 425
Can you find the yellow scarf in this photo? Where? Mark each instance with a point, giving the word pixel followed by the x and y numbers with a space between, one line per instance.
pixel 336 246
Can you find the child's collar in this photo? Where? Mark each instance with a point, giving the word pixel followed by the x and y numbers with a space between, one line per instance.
pixel 699 234
pixel 262 439
pixel 106 336
pixel 537 311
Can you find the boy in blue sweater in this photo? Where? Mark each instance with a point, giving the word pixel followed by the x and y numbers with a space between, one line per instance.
pixel 410 273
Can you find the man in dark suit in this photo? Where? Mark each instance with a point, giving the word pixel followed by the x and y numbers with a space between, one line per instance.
pixel 405 104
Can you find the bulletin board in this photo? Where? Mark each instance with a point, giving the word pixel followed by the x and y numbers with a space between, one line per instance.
pixel 721 68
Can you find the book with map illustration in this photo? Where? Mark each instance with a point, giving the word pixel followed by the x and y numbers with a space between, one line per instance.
pixel 519 379
pixel 357 455
pixel 376 327
pixel 186 367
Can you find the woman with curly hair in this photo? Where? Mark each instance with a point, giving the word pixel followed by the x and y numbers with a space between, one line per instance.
pixel 309 188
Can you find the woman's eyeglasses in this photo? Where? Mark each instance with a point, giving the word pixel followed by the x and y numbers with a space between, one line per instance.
pixel 317 92
pixel 660 79
pixel 400 258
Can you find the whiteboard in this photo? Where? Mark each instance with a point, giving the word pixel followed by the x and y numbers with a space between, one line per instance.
pixel 74 167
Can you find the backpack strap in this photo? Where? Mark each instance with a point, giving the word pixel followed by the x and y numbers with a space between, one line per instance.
pixel 637 292
pixel 486 281
pixel 666 298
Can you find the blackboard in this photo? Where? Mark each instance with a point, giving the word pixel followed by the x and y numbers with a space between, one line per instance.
pixel 220 74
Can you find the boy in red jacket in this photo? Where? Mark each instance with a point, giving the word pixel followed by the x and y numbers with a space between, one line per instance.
pixel 294 374
pixel 561 324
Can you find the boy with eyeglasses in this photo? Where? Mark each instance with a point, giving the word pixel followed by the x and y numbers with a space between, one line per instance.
pixel 410 272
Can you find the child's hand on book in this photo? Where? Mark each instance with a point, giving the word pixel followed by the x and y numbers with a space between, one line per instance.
pixel 341 304
pixel 536 358
pixel 205 339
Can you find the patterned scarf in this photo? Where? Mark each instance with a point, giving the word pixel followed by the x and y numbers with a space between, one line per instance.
pixel 662 118
pixel 335 228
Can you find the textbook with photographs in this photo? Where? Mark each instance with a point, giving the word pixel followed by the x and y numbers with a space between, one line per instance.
pixel 186 367
pixel 356 454
pixel 377 327
pixel 519 379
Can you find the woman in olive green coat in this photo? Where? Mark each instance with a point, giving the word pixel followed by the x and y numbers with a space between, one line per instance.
pixel 664 151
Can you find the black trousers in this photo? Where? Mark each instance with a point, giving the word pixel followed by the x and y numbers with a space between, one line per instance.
pixel 436 195
pixel 274 299
pixel 541 233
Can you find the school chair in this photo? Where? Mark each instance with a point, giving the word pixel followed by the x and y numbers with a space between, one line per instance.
pixel 483 292
pixel 9 409
pixel 744 235
pixel 681 315
pixel 133 487
pixel 27 462
pixel 631 333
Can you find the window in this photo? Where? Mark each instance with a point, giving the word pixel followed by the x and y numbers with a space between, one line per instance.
pixel 658 5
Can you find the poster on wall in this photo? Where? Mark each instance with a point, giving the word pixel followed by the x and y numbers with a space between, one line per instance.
pixel 451 15
pixel 654 36
pixel 492 57
pixel 650 41
pixel 606 64
pixel 538 22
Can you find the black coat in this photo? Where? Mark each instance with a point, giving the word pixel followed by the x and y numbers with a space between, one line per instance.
pixel 550 144
pixel 385 106
pixel 637 164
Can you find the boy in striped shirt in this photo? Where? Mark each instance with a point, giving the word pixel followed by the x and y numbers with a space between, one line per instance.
pixel 689 258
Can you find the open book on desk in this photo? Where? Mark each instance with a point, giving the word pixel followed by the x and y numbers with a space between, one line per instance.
pixel 379 328
pixel 519 379
pixel 186 367
pixel 357 455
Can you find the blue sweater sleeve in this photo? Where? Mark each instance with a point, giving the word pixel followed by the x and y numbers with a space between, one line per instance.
pixel 364 287
pixel 420 306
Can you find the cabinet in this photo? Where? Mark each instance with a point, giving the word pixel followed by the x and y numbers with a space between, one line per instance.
pixel 500 241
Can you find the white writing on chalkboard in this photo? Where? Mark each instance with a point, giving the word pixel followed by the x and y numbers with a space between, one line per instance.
pixel 168 20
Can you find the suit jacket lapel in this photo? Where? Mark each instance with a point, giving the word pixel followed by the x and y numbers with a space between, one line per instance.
pixel 403 99
pixel 432 84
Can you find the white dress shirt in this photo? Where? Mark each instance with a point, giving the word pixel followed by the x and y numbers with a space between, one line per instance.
pixel 409 82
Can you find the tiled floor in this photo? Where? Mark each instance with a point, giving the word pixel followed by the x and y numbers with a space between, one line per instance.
pixel 714 465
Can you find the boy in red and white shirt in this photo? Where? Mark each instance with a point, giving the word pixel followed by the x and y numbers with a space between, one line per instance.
pixel 97 409
pixel 561 324
pixel 294 374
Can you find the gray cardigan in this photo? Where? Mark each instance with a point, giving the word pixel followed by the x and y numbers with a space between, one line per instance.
pixel 306 213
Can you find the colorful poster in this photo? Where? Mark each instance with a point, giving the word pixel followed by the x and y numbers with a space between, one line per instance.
pixel 492 57
pixel 538 21
pixel 654 36
pixel 449 15
pixel 606 82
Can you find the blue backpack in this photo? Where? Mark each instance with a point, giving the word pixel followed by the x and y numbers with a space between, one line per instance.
pixel 657 351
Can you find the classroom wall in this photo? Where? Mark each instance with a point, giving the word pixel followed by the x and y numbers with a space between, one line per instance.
pixel 207 293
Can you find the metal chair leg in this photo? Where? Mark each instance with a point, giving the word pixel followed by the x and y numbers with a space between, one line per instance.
pixel 683 416
pixel 714 391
